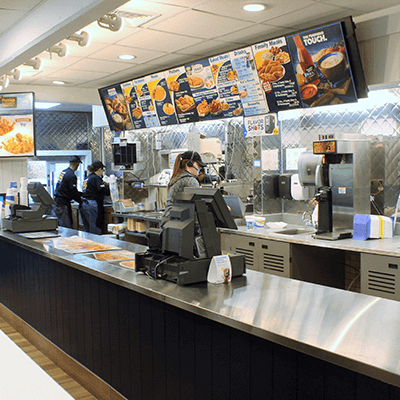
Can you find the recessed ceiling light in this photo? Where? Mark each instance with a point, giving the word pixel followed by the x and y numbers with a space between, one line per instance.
pixel 59 82
pixel 254 7
pixel 126 57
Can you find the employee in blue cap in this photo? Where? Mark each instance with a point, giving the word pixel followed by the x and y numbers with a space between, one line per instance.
pixel 66 191
pixel 93 191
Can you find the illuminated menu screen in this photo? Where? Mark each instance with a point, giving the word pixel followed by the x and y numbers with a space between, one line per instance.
pixel 308 69
pixel 17 125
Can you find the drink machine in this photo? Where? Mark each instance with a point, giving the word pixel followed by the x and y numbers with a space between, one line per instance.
pixel 345 178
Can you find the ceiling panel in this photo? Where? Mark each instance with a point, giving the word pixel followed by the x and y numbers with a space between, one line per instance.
pixel 157 40
pixel 201 24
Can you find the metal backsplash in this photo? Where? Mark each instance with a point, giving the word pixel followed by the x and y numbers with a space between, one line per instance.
pixel 377 117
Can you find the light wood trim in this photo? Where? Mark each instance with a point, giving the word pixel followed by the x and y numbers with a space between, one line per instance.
pixel 91 382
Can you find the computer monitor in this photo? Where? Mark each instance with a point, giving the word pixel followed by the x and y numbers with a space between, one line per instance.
pixel 216 205
pixel 39 194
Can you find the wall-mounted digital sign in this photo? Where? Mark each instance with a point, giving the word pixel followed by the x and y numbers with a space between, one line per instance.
pixel 315 67
pixel 17 125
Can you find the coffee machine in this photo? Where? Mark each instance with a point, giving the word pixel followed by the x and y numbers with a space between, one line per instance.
pixel 339 170
pixel 344 178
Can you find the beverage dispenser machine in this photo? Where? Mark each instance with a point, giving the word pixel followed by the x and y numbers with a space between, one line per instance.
pixel 345 179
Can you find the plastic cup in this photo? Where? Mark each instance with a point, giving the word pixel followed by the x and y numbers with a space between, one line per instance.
pixel 250 221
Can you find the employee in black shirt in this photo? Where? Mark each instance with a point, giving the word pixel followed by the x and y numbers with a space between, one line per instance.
pixel 66 191
pixel 93 192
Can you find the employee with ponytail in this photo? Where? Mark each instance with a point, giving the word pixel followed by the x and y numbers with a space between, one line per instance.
pixel 185 174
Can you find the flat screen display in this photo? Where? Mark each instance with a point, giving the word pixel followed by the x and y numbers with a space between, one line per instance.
pixel 17 125
pixel 316 67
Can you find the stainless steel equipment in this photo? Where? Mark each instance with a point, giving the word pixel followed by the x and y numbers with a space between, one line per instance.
pixel 345 175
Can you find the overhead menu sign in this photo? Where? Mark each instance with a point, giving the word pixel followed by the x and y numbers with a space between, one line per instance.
pixel 308 69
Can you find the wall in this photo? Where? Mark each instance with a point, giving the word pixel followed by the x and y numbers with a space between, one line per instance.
pixel 12 170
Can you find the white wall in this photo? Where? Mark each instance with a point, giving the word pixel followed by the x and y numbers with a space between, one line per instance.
pixel 12 170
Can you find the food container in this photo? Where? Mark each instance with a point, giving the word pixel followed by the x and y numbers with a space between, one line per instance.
pixel 250 221
pixel 259 222
pixel 140 226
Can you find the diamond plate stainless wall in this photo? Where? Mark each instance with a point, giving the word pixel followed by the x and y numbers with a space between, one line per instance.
pixel 377 117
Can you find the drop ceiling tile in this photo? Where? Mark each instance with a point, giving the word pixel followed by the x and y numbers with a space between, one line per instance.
pixel 159 41
pixel 364 6
pixel 200 24
pixel 8 18
pixel 21 5
pixel 77 51
pixel 209 48
pixel 88 64
pixel 234 8
pixel 54 61
pixel 183 3
pixel 255 34
pixel 69 75
pixel 112 52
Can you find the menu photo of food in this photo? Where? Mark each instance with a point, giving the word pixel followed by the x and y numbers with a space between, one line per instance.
pixel 222 69
pixel 135 111
pixel 181 95
pixel 276 74
pixel 161 96
pixel 117 109
pixel 322 68
pixel 112 255
pixel 16 135
pixel 146 103
pixel 210 106
pixel 200 76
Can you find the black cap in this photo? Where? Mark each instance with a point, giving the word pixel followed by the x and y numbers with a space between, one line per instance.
pixel 75 159
pixel 97 165
pixel 194 156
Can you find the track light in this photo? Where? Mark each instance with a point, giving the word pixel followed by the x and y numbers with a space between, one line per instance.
pixel 61 49
pixel 16 74
pixel 4 81
pixel 82 38
pixel 36 63
pixel 111 21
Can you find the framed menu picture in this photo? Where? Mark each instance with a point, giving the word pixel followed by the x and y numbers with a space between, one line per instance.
pixel 17 125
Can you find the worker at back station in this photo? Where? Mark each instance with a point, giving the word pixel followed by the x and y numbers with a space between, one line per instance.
pixel 66 191
pixel 185 174
pixel 93 191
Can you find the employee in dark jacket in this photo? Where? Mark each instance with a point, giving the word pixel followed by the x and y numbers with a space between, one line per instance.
pixel 66 191
pixel 93 192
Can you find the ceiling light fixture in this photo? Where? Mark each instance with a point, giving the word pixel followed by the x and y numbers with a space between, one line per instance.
pixel 111 21
pixel 36 63
pixel 61 49
pixel 16 74
pixel 59 82
pixel 126 57
pixel 82 38
pixel 254 7
pixel 4 81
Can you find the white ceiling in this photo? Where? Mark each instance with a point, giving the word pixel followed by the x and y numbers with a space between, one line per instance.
pixel 184 31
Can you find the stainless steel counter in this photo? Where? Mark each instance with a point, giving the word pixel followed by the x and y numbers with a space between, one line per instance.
pixel 352 330
pixel 386 246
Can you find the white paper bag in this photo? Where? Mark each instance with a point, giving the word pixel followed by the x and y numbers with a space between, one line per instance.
pixel 220 270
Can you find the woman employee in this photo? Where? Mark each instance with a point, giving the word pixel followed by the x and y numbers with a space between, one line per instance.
pixel 185 174
pixel 93 192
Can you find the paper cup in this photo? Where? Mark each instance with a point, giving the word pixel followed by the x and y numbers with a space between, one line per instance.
pixel 250 221
pixel 259 222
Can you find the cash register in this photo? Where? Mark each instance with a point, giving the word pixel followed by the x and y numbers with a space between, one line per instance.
pixel 181 251
pixel 34 218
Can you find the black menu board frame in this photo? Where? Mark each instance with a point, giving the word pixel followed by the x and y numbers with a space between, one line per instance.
pixel 284 97
pixel 17 125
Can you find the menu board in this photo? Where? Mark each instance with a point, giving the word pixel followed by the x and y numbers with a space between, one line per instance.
pixel 322 68
pixel 181 95
pixel 116 108
pixel 248 86
pixel 17 128
pixel 146 102
pixel 308 69
pixel 158 88
pixel 276 74
pixel 133 104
